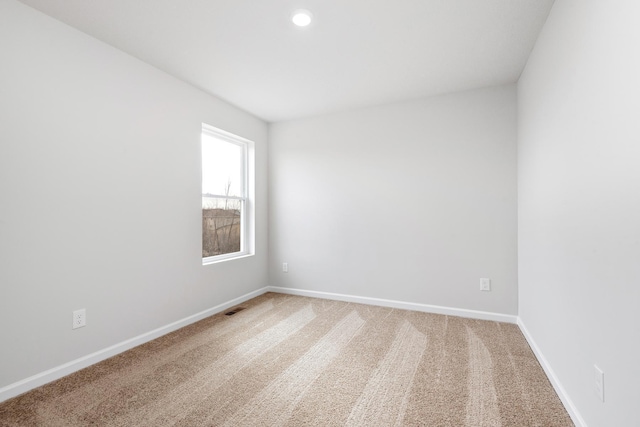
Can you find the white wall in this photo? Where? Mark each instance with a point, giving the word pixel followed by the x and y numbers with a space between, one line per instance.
pixel 579 203
pixel 100 196
pixel 411 202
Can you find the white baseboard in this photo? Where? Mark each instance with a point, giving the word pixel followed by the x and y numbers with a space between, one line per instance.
pixel 555 382
pixel 460 312
pixel 58 372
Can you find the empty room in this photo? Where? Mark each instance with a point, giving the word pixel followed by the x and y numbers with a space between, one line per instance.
pixel 320 213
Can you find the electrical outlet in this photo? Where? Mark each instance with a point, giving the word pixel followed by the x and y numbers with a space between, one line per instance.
pixel 599 382
pixel 285 267
pixel 485 284
pixel 79 318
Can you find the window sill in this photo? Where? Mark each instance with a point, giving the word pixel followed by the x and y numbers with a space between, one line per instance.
pixel 224 258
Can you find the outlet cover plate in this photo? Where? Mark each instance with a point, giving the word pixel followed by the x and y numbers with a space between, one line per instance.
pixel 599 382
pixel 79 318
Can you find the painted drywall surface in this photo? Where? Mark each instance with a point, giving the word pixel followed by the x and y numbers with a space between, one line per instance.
pixel 414 201
pixel 100 196
pixel 579 203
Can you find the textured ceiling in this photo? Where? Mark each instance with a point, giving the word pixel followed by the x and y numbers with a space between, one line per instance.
pixel 356 52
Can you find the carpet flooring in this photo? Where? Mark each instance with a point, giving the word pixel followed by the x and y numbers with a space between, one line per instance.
pixel 295 361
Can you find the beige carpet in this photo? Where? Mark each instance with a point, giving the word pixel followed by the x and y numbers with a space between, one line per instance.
pixel 294 361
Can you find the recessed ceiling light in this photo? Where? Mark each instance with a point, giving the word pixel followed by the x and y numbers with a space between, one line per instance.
pixel 301 17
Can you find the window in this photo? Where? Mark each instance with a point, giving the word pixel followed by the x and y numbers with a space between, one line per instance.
pixel 227 208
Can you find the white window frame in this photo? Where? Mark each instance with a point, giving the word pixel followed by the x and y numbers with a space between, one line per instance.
pixel 247 211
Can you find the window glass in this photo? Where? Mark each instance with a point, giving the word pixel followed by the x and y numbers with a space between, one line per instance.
pixel 225 164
